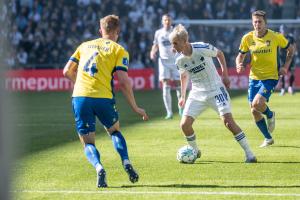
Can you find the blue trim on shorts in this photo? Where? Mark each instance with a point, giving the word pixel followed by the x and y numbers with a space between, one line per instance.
pixel 262 87
pixel 86 109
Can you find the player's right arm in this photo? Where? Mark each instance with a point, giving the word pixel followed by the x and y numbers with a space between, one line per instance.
pixel 239 60
pixel 70 70
pixel 154 48
pixel 184 78
pixel 125 86
pixel 153 51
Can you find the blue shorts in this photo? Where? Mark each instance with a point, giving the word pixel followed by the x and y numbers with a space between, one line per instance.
pixel 262 87
pixel 86 109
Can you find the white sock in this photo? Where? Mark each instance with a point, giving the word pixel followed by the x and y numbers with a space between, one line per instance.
pixel 99 167
pixel 167 99
pixel 242 140
pixel 126 162
pixel 192 141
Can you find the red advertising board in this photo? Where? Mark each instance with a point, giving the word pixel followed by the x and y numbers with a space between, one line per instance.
pixel 53 80
pixel 141 79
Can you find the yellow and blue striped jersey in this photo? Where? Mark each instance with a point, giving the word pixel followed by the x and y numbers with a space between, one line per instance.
pixel 264 53
pixel 97 61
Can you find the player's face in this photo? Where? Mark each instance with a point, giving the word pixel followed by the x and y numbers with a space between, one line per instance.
pixel 258 23
pixel 166 21
pixel 178 44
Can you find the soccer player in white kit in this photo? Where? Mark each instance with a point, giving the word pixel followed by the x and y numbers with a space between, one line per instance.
pixel 208 89
pixel 167 69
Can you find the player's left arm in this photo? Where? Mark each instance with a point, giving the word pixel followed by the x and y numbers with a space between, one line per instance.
pixel 70 70
pixel 222 61
pixel 289 57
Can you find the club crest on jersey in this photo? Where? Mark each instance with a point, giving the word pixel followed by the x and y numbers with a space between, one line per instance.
pixel 253 43
pixel 265 91
pixel 268 43
pixel 185 65
pixel 125 61
pixel 193 62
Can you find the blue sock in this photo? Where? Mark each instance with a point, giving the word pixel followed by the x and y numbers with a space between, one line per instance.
pixel 92 154
pixel 120 145
pixel 261 124
pixel 268 113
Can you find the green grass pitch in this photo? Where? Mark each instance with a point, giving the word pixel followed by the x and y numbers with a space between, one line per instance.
pixel 51 164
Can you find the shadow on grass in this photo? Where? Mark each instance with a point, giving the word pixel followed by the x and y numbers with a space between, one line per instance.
pixel 207 186
pixel 286 146
pixel 230 162
pixel 45 119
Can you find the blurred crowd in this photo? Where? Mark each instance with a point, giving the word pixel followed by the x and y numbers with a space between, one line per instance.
pixel 44 34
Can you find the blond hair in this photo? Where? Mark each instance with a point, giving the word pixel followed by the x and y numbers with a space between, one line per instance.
pixel 179 32
pixel 110 23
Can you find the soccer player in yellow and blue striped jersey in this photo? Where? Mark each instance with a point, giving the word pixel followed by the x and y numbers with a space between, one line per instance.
pixel 263 45
pixel 91 68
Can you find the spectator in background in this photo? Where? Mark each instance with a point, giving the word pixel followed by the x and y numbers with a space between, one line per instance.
pixel 37 17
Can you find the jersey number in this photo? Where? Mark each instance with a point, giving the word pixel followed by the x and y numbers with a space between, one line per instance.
pixel 89 67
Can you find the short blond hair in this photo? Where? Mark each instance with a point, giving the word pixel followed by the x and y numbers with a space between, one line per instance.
pixel 179 32
pixel 110 23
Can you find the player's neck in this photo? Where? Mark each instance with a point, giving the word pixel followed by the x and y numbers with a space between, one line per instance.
pixel 109 37
pixel 261 33
pixel 188 50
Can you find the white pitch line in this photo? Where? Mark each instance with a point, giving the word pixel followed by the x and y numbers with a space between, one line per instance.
pixel 157 193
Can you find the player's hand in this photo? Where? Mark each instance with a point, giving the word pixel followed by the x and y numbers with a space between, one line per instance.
pixel 142 113
pixel 226 81
pixel 181 102
pixel 240 68
pixel 152 55
pixel 283 71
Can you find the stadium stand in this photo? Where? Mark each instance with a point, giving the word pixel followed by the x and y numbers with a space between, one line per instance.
pixel 44 33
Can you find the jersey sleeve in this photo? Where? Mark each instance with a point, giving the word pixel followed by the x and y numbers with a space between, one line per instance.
pixel 244 48
pixel 76 55
pixel 179 66
pixel 282 41
pixel 122 61
pixel 206 49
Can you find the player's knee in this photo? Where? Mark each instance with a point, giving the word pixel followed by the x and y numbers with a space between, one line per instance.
pixel 256 105
pixel 184 125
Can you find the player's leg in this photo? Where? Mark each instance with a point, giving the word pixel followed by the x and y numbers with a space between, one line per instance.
pixel 239 136
pixel 120 146
pixel 107 113
pixel 259 94
pixel 291 80
pixel 282 90
pixel 164 77
pixel 85 125
pixel 220 102
pixel 167 98
pixel 260 102
pixel 192 109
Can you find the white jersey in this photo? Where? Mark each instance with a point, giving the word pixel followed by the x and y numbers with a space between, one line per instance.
pixel 161 38
pixel 200 67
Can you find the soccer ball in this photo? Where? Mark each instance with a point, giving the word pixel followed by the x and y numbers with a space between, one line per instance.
pixel 186 154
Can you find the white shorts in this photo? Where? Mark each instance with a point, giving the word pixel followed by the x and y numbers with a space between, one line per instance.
pixel 168 69
pixel 218 100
